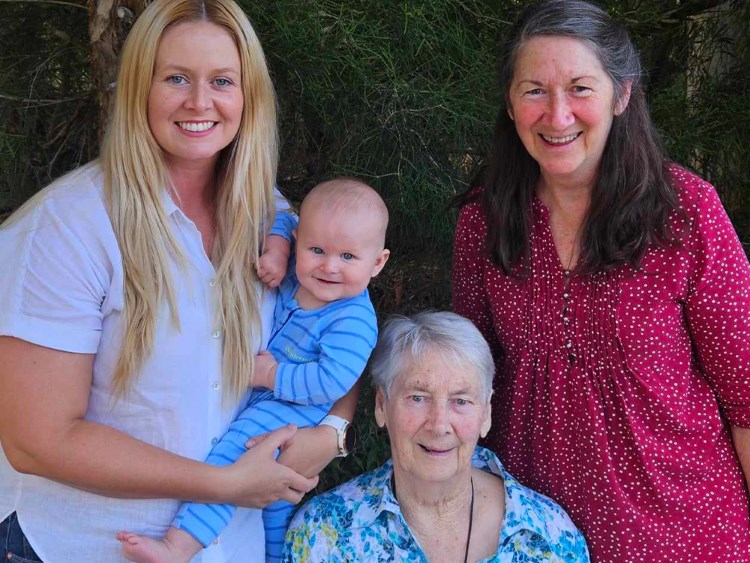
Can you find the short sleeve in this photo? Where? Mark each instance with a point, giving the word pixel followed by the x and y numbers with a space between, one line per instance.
pixel 56 271
pixel 312 535
pixel 283 225
pixel 285 221
pixel 717 307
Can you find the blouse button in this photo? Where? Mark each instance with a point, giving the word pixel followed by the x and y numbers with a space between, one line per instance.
pixel 211 283
pixel 215 386
pixel 565 295
pixel 216 334
pixel 568 344
pixel 566 320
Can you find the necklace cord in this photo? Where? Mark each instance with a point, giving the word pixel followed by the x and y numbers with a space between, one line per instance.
pixel 471 521
pixel 471 512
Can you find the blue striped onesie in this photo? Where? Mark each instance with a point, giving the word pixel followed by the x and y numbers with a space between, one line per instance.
pixel 321 353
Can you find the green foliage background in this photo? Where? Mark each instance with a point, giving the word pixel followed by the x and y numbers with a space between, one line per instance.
pixel 399 92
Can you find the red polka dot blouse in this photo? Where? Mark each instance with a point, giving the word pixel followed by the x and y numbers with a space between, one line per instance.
pixel 614 389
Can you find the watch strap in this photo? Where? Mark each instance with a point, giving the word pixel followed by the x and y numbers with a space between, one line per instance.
pixel 340 425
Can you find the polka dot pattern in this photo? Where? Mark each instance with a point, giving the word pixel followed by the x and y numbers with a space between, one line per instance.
pixel 614 388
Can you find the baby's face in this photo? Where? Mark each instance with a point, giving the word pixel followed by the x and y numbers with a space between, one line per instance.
pixel 337 254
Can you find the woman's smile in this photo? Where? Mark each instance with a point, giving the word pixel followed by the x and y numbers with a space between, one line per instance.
pixel 562 103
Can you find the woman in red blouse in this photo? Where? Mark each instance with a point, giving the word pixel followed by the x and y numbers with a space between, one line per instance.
pixel 616 297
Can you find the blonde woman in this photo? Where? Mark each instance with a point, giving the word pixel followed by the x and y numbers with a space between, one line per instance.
pixel 131 313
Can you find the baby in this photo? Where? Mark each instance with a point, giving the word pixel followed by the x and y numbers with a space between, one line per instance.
pixel 324 330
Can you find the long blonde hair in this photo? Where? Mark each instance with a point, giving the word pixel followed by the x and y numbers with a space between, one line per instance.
pixel 136 177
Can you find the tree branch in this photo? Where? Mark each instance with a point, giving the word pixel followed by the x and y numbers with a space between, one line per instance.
pixel 59 2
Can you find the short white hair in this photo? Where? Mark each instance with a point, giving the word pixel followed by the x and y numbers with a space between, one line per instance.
pixel 404 341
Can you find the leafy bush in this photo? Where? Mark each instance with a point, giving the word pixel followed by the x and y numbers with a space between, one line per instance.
pixel 399 92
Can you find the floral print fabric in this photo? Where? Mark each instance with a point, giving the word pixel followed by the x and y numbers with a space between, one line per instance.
pixel 361 521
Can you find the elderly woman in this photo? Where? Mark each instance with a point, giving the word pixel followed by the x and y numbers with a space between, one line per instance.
pixel 615 295
pixel 131 312
pixel 440 498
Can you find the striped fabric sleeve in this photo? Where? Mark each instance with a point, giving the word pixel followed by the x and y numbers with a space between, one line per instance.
pixel 345 346
pixel 283 224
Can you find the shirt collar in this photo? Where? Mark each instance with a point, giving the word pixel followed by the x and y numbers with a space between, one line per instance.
pixel 168 203
pixel 380 498
pixel 521 503
pixel 523 512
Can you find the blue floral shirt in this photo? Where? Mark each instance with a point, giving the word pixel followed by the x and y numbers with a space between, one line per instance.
pixel 361 521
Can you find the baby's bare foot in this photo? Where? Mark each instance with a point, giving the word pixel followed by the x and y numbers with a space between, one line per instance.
pixel 143 549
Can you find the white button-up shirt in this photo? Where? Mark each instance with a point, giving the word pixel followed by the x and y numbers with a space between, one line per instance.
pixel 62 288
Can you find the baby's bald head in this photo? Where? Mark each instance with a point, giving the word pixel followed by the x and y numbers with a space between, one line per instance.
pixel 350 196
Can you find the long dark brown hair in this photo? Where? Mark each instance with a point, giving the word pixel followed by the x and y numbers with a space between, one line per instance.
pixel 632 197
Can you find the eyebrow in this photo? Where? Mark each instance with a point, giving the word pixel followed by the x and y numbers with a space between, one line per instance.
pixel 425 389
pixel 585 77
pixel 223 70
pixel 414 387
pixel 576 79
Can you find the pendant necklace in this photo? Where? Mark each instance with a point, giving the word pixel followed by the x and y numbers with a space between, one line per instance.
pixel 471 512
pixel 471 521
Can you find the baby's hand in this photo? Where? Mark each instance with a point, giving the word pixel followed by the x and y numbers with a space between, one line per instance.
pixel 272 264
pixel 265 370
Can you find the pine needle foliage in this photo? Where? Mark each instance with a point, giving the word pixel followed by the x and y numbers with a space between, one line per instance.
pixel 46 102
pixel 402 93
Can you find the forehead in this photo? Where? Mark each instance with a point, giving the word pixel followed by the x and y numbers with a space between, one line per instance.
pixel 343 223
pixel 438 372
pixel 556 56
pixel 197 41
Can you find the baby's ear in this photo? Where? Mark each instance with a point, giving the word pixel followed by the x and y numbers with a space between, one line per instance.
pixel 380 262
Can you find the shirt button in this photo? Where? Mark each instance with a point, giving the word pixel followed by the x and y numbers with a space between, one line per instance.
pixel 216 541
pixel 215 386
pixel 212 283
pixel 216 334
pixel 565 295
pixel 566 320
pixel 568 344
pixel 214 441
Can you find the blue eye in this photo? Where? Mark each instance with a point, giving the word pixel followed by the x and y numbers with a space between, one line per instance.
pixel 461 402
pixel 535 91
pixel 316 250
pixel 416 398
pixel 581 89
pixel 223 82
pixel 347 256
pixel 176 79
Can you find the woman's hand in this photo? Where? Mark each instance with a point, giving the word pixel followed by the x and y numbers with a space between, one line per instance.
pixel 310 450
pixel 257 479
pixel 63 446
pixel 307 452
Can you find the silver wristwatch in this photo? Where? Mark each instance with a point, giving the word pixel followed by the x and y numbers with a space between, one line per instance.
pixel 344 432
